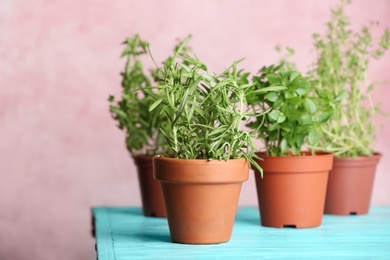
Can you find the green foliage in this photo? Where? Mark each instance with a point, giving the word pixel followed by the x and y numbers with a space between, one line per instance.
pixel 204 112
pixel 132 109
pixel 341 66
pixel 295 118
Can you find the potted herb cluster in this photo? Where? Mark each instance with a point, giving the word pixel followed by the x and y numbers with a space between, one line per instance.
pixel 341 67
pixel 201 179
pixel 143 138
pixel 292 192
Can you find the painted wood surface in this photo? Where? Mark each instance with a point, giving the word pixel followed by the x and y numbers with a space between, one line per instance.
pixel 124 233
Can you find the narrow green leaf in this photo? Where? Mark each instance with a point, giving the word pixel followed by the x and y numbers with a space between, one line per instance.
pixel 271 88
pixel 155 104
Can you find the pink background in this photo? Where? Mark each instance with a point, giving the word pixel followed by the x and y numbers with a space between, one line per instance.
pixel 61 152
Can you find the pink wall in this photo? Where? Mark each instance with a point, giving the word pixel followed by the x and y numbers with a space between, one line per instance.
pixel 60 151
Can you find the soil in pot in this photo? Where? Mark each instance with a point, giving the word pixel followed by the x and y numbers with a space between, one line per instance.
pixel 201 197
pixel 151 194
pixel 350 185
pixel 292 190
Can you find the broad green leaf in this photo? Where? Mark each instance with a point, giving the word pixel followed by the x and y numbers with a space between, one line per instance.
pixel 305 119
pixel 295 150
pixel 299 141
pixel 301 91
pixel 273 127
pixel 295 101
pixel 274 115
pixel 289 94
pixel 313 137
pixel 325 116
pixel 273 79
pixel 294 75
pixel 272 96
pixel 309 104
pixel 281 118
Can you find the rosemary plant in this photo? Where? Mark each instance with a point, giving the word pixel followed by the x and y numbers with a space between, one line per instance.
pixel 205 113
pixel 132 109
pixel 341 66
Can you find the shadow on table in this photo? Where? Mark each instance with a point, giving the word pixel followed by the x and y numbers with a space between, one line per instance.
pixel 248 215
pixel 153 237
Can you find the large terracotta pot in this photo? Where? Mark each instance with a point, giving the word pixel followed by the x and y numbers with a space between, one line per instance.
pixel 292 190
pixel 201 197
pixel 350 185
pixel 151 195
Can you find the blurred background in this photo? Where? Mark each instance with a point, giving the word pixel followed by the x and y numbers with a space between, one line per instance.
pixel 60 151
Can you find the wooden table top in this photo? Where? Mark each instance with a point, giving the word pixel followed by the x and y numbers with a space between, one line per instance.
pixel 124 233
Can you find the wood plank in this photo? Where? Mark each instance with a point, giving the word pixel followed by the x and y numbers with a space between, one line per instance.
pixel 124 233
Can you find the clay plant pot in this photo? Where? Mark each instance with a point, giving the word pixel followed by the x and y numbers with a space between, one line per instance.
pixel 151 194
pixel 201 197
pixel 350 185
pixel 292 190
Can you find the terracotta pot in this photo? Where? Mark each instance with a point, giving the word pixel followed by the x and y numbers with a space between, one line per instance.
pixel 151 195
pixel 201 197
pixel 292 190
pixel 350 185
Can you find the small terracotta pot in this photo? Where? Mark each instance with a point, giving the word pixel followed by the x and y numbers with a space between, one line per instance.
pixel 292 190
pixel 350 185
pixel 151 194
pixel 201 197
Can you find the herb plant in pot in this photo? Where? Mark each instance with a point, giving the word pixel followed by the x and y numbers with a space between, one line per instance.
pixel 291 192
pixel 201 179
pixel 143 138
pixel 341 67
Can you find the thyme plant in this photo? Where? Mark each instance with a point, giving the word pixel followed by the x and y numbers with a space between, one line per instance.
pixel 131 110
pixel 341 67
pixel 205 113
pixel 296 115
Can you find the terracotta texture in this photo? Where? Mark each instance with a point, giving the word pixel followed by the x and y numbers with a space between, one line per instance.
pixel 350 185
pixel 151 194
pixel 201 197
pixel 292 190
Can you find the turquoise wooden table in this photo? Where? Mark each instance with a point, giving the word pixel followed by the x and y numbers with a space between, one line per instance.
pixel 124 233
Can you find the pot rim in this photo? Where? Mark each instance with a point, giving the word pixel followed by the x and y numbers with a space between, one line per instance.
pixel 200 171
pixel 296 164
pixel 197 161
pixel 361 157
pixel 307 154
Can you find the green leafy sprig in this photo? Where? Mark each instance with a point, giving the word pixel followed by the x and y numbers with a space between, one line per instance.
pixel 132 109
pixel 205 113
pixel 341 67
pixel 295 117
